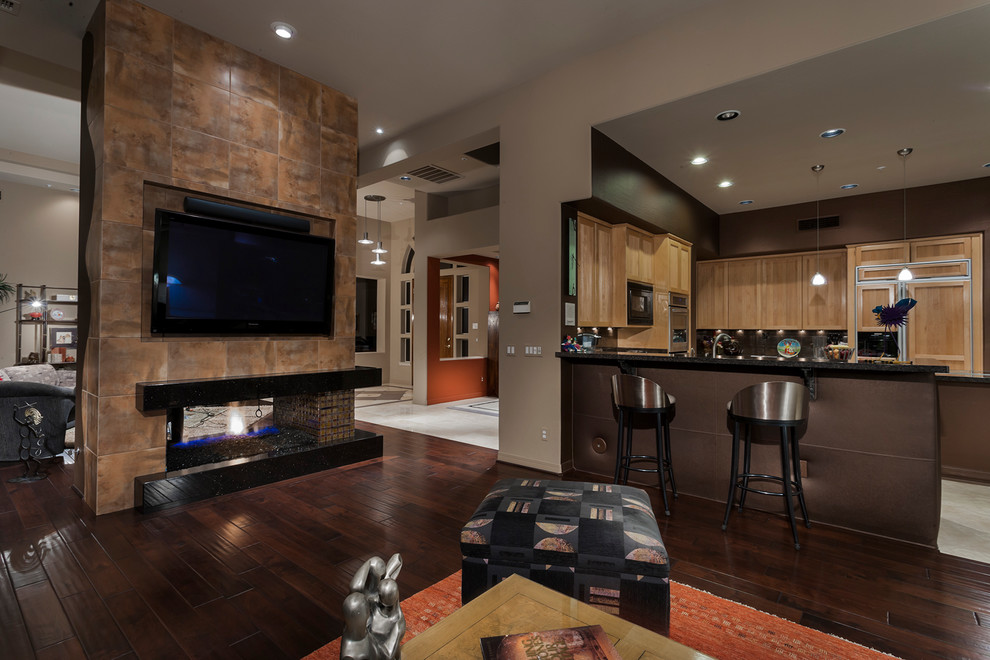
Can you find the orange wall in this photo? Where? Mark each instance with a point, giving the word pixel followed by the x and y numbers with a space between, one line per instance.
pixel 447 380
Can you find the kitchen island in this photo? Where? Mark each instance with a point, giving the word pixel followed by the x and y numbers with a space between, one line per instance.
pixel 870 451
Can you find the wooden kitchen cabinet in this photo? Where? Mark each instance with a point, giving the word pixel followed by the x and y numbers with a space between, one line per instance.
pixel 942 248
pixel 869 296
pixel 639 253
pixel 881 253
pixel 782 288
pixel 711 301
pixel 743 293
pixel 673 264
pixel 933 334
pixel 825 306
pixel 595 292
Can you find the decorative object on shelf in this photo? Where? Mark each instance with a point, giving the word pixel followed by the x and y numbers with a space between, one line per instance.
pixel 56 315
pixel 373 620
pixel 818 279
pixel 788 347
pixel 892 317
pixel 905 275
pixel 62 336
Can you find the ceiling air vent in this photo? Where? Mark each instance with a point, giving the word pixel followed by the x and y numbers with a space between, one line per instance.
pixel 435 174
pixel 825 223
pixel 10 6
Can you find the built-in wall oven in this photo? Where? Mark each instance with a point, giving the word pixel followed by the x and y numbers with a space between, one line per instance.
pixel 678 323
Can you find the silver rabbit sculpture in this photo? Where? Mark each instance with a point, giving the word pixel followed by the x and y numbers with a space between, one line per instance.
pixel 373 621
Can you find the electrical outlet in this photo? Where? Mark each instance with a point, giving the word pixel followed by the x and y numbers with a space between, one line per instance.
pixel 804 469
pixel 543 435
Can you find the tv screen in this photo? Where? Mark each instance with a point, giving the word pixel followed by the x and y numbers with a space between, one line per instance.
pixel 219 277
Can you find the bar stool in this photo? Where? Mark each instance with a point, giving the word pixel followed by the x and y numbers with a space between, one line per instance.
pixel 782 404
pixel 635 394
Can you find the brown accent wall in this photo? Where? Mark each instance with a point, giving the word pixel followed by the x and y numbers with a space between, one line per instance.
pixel 170 110
pixel 962 427
pixel 958 207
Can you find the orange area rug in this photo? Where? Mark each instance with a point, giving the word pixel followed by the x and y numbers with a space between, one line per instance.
pixel 715 626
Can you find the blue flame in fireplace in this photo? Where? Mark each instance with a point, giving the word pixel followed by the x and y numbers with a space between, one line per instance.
pixel 210 439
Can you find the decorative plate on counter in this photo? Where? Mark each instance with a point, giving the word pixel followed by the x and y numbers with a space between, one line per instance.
pixel 788 347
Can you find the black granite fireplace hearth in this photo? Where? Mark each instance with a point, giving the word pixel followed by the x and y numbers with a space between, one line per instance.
pixel 316 433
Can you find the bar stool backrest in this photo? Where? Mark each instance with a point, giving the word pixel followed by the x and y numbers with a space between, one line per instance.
pixel 780 402
pixel 637 392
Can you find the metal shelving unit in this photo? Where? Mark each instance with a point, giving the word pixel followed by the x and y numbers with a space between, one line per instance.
pixel 50 313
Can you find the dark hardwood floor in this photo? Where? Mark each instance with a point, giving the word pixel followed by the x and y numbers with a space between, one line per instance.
pixel 262 573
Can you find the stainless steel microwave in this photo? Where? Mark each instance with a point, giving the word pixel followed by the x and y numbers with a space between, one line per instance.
pixel 639 304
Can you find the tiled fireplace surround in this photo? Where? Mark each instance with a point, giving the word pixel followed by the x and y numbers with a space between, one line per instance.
pixel 172 111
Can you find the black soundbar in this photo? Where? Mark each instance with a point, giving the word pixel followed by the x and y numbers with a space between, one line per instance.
pixel 249 216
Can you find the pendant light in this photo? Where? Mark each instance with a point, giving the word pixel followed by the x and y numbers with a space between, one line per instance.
pixel 365 240
pixel 818 279
pixel 905 275
pixel 378 249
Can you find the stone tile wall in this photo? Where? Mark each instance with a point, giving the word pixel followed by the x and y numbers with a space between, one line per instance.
pixel 170 111
pixel 329 415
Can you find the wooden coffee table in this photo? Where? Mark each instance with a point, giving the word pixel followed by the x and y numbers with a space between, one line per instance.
pixel 518 605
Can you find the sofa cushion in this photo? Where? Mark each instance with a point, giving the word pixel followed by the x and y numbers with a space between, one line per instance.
pixel 40 373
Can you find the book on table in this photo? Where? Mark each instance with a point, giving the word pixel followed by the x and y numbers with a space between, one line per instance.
pixel 581 643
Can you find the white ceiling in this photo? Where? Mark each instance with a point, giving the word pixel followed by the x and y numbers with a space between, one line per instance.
pixel 406 63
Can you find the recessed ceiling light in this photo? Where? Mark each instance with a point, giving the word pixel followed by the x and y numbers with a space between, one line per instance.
pixel 283 30
pixel 405 178
pixel 724 184
pixel 726 115
pixel 75 190
pixel 849 186
pixel 832 132
pixel 379 130
pixel 881 167
pixel 986 164
pixel 746 201
pixel 700 160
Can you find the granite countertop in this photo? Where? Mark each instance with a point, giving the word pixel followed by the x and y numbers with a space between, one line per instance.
pixel 980 378
pixel 766 362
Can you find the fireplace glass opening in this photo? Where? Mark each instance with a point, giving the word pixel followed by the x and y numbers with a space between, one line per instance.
pixel 238 432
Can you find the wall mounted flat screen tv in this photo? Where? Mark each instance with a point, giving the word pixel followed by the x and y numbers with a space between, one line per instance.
pixel 219 277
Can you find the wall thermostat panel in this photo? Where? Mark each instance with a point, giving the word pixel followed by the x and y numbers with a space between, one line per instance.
pixel 521 307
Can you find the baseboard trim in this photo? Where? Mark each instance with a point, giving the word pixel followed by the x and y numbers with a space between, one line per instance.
pixel 964 474
pixel 543 466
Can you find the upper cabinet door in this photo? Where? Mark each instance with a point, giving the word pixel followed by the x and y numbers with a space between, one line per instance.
pixel 743 289
pixel 710 300
pixel 595 274
pixel 783 293
pixel 825 305
pixel 884 253
pixel 869 296
pixel 678 266
pixel 940 249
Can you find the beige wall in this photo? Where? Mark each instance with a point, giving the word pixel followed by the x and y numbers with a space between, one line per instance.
pixel 463 233
pixel 544 131
pixel 38 239
pixel 400 373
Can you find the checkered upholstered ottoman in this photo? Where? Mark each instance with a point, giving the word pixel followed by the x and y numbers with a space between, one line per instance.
pixel 598 543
